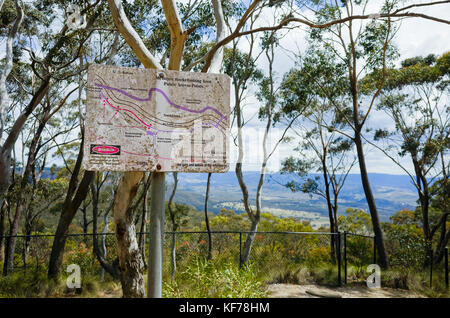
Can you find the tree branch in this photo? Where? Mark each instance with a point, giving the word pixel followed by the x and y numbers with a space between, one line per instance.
pixel 131 36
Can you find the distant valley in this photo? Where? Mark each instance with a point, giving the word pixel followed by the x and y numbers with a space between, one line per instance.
pixel 392 193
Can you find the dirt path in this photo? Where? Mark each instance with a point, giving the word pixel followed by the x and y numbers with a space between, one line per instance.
pixel 309 291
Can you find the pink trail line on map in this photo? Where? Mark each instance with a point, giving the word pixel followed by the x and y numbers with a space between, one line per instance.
pixel 148 126
pixel 127 110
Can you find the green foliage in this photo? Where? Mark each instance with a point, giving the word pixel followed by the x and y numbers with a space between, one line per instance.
pixel 202 279
pixel 34 283
pixel 372 42
pixel 81 255
pixel 227 220
pixel 403 217
pixel 428 60
pixel 241 66
pixel 416 281
pixel 288 274
pixel 23 284
pixel 180 214
pixel 271 223
pixel 381 134
pixel 325 275
pixel 359 252
pixel 414 71
pixel 406 245
pixel 319 76
pixel 356 221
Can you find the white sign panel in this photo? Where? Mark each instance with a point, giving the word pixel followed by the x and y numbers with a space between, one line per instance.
pixel 156 120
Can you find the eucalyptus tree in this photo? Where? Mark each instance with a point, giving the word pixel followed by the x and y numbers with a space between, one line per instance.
pixel 416 98
pixel 241 67
pixel 177 216
pixel 9 56
pixel 104 48
pixel 314 88
pixel 53 63
pixel 38 147
pixel 364 47
pixel 361 48
pixel 100 251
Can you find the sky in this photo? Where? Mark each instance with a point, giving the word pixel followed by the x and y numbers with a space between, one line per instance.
pixel 415 37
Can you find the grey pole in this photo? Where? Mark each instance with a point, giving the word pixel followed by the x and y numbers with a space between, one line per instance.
pixel 155 249
pixel 345 257
pixel 339 258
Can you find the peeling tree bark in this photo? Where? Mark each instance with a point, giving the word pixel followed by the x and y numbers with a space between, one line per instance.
pixel 130 258
pixel 173 260
pixel 177 34
pixel 131 36
pixel 216 62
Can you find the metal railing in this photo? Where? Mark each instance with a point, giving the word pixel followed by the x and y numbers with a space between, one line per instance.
pixel 359 249
pixel 270 249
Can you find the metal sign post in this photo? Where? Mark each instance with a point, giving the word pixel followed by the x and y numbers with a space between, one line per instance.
pixel 155 249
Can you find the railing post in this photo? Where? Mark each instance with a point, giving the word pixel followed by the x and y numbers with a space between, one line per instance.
pixel 24 252
pixel 431 266
pixel 240 249
pixel 446 267
pixel 374 249
pixel 339 258
pixel 345 257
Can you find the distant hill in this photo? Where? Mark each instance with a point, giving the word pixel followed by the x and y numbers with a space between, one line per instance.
pixel 392 193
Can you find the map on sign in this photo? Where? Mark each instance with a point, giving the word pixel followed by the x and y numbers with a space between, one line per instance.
pixel 156 120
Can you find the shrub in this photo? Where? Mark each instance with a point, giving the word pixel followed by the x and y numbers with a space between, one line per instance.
pixel 318 256
pixel 203 279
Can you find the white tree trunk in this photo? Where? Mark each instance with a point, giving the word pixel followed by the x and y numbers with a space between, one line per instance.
pixel 4 98
pixel 216 62
pixel 130 259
